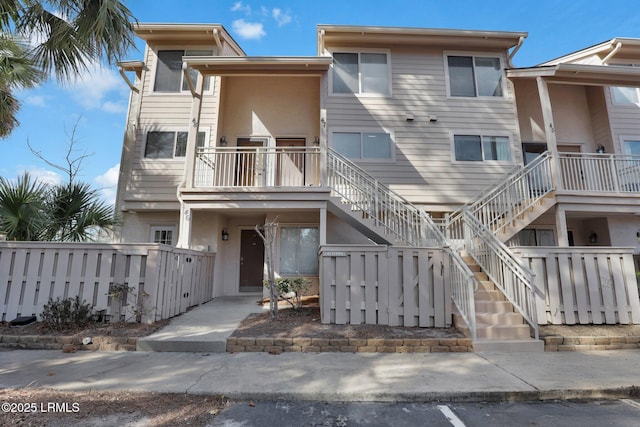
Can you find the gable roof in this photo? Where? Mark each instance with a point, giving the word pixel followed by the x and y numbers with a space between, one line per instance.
pixel 196 33
pixel 618 48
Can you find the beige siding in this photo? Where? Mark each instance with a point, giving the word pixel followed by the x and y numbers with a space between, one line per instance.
pixel 624 120
pixel 154 179
pixel 423 169
pixel 571 114
pixel 599 117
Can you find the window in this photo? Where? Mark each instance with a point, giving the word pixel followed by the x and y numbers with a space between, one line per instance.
pixel 363 145
pixel 476 148
pixel 360 73
pixel 631 147
pixel 169 76
pixel 625 95
pixel 163 235
pixel 536 237
pixel 168 145
pixel 474 76
pixel 299 251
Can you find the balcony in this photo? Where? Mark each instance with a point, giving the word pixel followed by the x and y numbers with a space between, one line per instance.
pixel 600 173
pixel 257 167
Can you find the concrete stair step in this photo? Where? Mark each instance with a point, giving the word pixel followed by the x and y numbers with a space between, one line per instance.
pixel 508 346
pixel 511 319
pixel 493 307
pixel 481 276
pixel 486 285
pixel 503 332
pixel 488 295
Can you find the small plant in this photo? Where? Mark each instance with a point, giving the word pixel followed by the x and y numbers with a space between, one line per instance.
pixel 292 289
pixel 123 293
pixel 60 313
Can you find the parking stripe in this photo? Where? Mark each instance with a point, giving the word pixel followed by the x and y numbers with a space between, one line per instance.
pixel 453 419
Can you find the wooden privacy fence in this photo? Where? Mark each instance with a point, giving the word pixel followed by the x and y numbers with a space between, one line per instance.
pixel 397 286
pixel 160 281
pixel 583 285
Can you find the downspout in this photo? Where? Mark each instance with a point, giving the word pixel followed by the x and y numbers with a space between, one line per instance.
pixel 216 37
pixel 514 51
pixel 606 59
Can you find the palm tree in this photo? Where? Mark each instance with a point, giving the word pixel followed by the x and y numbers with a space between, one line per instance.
pixel 66 37
pixel 22 208
pixel 76 214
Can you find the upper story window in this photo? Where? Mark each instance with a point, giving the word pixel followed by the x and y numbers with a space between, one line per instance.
pixel 479 148
pixel 169 144
pixel 631 147
pixel 474 76
pixel 169 75
pixel 361 73
pixel 625 95
pixel 375 146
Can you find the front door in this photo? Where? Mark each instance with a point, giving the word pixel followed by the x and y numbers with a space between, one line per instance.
pixel 251 261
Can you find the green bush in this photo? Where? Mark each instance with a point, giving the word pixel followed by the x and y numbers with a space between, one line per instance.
pixel 296 286
pixel 60 313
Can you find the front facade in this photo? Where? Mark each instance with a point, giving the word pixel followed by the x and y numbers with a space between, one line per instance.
pixel 354 146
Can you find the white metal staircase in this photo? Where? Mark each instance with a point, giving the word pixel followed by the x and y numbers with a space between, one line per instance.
pixel 479 229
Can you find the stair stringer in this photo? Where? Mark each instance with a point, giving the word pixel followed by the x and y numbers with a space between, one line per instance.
pixel 527 217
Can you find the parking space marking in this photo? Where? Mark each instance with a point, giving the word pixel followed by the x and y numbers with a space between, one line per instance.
pixel 453 419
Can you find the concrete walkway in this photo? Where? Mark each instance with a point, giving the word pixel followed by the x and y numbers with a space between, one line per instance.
pixel 335 376
pixel 204 328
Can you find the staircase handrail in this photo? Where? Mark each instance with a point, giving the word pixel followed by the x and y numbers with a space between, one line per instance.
pixel 502 266
pixel 389 209
pixel 517 181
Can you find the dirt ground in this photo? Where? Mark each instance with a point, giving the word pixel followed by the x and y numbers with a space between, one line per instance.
pixel 118 329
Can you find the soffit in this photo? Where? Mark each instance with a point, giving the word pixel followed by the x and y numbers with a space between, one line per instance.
pixel 277 65
pixel 340 36
pixel 580 74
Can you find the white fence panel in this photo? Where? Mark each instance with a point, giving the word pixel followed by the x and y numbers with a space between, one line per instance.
pixel 162 281
pixel 399 286
pixel 584 285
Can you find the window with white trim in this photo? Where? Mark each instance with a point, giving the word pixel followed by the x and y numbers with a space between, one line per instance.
pixel 360 72
pixel 474 76
pixel 625 95
pixel 376 146
pixel 163 234
pixel 631 147
pixel 479 148
pixel 169 75
pixel 169 144
pixel 299 251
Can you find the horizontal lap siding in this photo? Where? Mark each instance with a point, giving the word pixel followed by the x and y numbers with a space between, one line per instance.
pixel 423 170
pixel 624 121
pixel 157 180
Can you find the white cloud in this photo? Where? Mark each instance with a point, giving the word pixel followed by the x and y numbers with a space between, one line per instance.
pixel 43 175
pixel 239 7
pixel 282 18
pixel 92 87
pixel 108 183
pixel 248 30
pixel 114 107
pixel 36 100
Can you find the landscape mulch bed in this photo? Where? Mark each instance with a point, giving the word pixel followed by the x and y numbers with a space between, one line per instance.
pixel 305 323
pixel 117 329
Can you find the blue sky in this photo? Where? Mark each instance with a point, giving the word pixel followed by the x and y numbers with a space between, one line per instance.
pixel 97 103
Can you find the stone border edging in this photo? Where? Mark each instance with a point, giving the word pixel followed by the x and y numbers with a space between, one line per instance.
pixel 558 343
pixel 349 345
pixel 54 342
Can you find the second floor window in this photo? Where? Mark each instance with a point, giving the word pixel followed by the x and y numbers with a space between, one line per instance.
pixel 625 95
pixel 474 76
pixel 168 144
pixel 476 148
pixel 363 145
pixel 366 73
pixel 169 76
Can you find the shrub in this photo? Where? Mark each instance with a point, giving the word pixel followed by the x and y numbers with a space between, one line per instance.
pixel 60 313
pixel 291 290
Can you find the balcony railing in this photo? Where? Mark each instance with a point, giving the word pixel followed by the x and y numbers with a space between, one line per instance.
pixel 257 167
pixel 591 172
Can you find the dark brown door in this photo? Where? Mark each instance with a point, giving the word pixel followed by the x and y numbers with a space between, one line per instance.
pixel 251 261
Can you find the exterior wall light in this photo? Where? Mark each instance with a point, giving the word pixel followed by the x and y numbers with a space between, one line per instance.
pixel 600 149
pixel 593 237
pixel 225 235
pixel 316 141
pixel 223 141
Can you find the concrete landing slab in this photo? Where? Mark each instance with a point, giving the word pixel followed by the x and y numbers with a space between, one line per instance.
pixel 204 328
